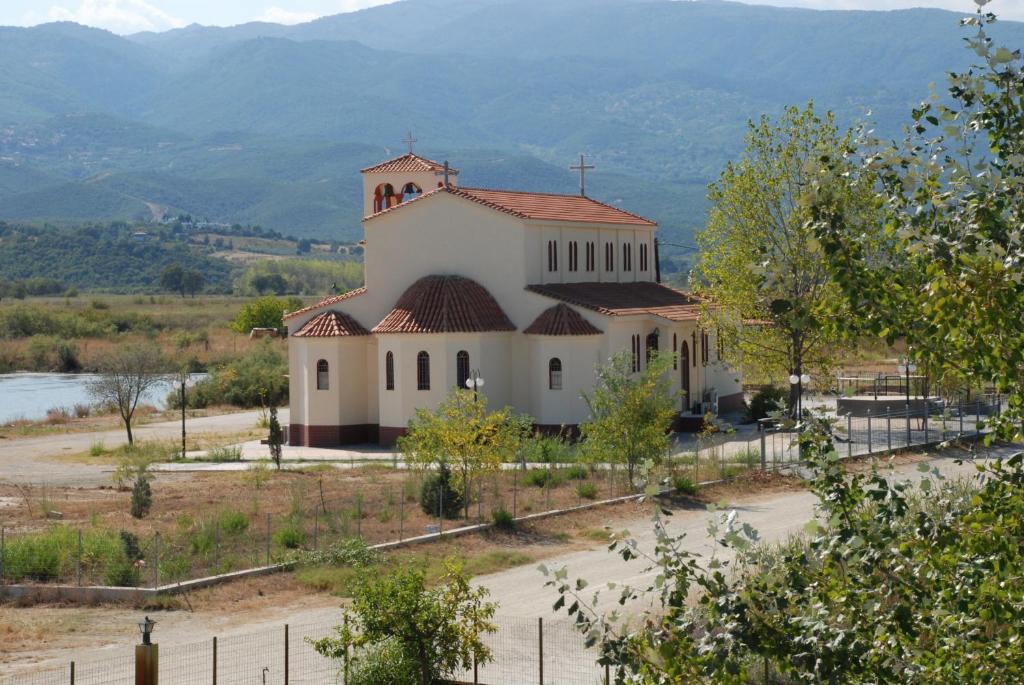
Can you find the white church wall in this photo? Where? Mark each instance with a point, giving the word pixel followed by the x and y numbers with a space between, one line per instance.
pixel 297 389
pixel 343 402
pixel 579 356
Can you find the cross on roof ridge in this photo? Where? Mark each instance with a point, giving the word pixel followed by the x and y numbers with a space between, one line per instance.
pixel 582 167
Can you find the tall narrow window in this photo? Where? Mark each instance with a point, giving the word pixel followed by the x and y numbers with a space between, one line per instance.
pixel 591 256
pixel 675 353
pixel 652 346
pixel 461 368
pixel 574 256
pixel 694 336
pixel 627 257
pixel 389 371
pixel 643 256
pixel 551 255
pixel 322 375
pixel 423 371
pixel 609 257
pixel 705 353
pixel 555 374
pixel 636 353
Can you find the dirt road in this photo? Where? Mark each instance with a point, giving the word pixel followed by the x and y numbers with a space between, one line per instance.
pixel 31 459
pixel 519 591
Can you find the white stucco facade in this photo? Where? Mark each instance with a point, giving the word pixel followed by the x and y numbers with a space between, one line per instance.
pixel 510 281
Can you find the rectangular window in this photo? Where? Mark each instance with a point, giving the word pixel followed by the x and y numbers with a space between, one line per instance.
pixel 609 257
pixel 591 256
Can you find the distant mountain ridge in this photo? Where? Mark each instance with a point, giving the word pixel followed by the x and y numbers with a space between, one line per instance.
pixel 268 124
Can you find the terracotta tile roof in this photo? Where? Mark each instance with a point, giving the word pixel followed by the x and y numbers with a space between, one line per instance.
pixel 330 324
pixel 538 206
pixel 561 320
pixel 408 162
pixel 624 299
pixel 327 301
pixel 445 304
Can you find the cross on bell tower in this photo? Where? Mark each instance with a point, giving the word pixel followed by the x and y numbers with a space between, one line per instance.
pixel 409 140
pixel 583 168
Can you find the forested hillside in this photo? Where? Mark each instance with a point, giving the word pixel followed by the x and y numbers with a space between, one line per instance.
pixel 267 124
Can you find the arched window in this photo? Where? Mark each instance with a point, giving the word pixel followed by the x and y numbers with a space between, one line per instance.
pixel 574 256
pixel 635 340
pixel 591 256
pixel 322 375
pixel 609 257
pixel 552 255
pixel 675 352
pixel 423 371
pixel 461 368
pixel 555 374
pixel 389 371
pixel 652 346
pixel 627 257
pixel 384 197
pixel 643 256
pixel 410 191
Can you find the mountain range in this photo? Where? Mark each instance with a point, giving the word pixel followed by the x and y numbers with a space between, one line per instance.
pixel 269 124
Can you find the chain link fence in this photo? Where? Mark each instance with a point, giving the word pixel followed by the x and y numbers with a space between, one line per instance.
pixel 525 652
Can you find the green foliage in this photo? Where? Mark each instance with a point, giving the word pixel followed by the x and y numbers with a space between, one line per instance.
pixel 352 552
pixel 760 256
pixel 685 486
pixel 439 630
pixel 503 519
pixel 630 414
pixel 299 277
pixel 548 449
pixel 101 256
pixel 542 478
pixel 226 453
pixel 587 490
pixel 256 380
pixel 437 494
pixel 264 312
pixel 766 401
pixel 233 522
pixel 50 554
pixel 290 537
pixel 275 438
pixel 382 663
pixel 577 472
pixel 463 438
pixel 142 497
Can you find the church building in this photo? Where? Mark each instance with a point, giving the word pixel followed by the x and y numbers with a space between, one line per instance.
pixel 529 292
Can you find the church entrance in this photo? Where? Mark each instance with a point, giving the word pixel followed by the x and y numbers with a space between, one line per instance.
pixel 684 365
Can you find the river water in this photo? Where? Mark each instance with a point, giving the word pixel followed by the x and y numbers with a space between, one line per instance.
pixel 31 395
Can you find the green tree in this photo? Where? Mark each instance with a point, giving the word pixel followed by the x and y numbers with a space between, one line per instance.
pixel 464 436
pixel 264 312
pixel 172 279
pixel 951 285
pixel 192 282
pixel 126 374
pixel 275 438
pixel 761 265
pixel 438 629
pixel 630 414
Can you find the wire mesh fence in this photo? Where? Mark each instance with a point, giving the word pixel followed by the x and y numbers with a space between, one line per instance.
pixel 390 505
pixel 525 651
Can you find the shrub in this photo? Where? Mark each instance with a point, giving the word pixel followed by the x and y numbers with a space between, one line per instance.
pixel 82 410
pixel 234 522
pixel 766 401
pixel 542 478
pixel 382 663
pixel 228 453
pixel 67 357
pixel 684 485
pixel 255 380
pixel 503 519
pixel 142 497
pixel 577 473
pixel 349 552
pixel 57 416
pixel 437 493
pixel 587 490
pixel 548 449
pixel 97 449
pixel 290 537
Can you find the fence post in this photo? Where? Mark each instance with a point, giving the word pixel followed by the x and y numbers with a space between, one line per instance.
pixel 926 422
pixel 960 413
pixel 440 510
pixel 216 545
pixel 480 499
pixel 401 516
pixel 156 559
pixel 515 493
pixel 285 654
pixel 540 647
pixel 764 454
pixel 359 516
pixel 78 560
pixel 214 660
pixel 607 674
pixel 316 525
pixel 849 434
pixel 977 419
pixel 72 673
pixel 888 429
pixel 345 667
pixel 268 539
pixel 869 432
pixel 3 555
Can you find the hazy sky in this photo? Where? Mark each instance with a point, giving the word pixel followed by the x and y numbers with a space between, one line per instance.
pixel 128 16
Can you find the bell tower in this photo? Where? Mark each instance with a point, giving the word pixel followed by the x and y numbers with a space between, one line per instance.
pixel 401 179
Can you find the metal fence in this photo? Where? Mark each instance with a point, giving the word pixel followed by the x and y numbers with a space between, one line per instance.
pixel 235 536
pixel 525 651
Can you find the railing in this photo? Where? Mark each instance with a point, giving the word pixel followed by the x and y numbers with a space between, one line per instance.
pixel 526 651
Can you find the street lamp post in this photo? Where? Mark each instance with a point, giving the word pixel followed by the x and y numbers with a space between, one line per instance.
pixel 799 381
pixel 907 367
pixel 181 384
pixel 475 382
pixel 147 656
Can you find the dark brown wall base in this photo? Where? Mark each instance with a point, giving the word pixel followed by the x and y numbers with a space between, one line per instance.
pixel 388 436
pixel 731 403
pixel 331 436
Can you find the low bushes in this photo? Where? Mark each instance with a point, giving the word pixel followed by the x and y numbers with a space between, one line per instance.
pixel 438 495
pixel 766 401
pixel 587 490
pixel 256 380
pixel 542 478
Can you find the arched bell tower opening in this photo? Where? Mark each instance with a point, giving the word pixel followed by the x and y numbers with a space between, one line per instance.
pixel 401 179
